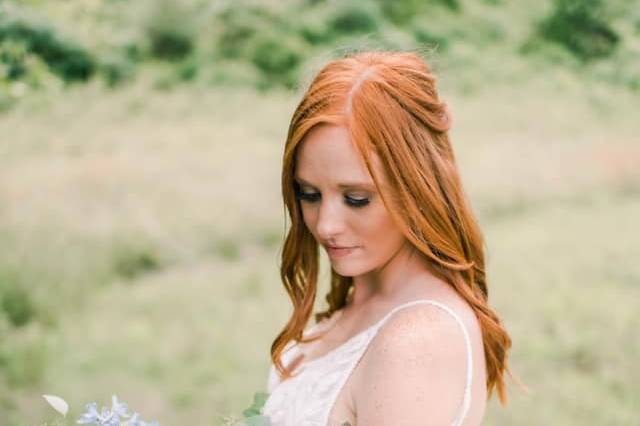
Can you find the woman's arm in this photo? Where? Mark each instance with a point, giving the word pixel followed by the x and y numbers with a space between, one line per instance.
pixel 415 371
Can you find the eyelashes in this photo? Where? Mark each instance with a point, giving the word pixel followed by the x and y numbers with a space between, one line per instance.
pixel 312 197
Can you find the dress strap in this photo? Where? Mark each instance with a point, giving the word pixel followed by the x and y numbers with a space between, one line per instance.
pixel 466 401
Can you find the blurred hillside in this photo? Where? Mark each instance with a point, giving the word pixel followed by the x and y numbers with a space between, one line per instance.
pixel 271 44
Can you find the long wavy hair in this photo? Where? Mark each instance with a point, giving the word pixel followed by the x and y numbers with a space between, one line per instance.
pixel 388 102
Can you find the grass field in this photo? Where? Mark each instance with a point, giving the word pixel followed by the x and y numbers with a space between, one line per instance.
pixel 144 229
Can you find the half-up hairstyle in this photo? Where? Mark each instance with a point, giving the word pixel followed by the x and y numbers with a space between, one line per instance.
pixel 389 104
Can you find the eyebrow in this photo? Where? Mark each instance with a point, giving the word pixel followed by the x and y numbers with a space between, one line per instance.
pixel 343 185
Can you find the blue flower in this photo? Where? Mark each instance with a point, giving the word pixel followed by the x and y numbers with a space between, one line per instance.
pixel 134 421
pixel 91 416
pixel 118 408
pixel 110 417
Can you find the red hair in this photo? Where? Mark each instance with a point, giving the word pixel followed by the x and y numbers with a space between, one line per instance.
pixel 388 102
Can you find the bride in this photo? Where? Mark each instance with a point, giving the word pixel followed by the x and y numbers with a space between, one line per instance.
pixel 408 338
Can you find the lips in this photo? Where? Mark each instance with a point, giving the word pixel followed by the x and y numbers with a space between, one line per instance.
pixel 339 251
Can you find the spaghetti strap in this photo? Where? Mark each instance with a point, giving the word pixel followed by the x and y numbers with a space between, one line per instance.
pixel 466 400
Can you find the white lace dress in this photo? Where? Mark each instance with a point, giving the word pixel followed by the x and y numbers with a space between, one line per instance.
pixel 307 398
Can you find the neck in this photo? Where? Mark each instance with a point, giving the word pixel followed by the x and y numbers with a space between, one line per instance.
pixel 390 280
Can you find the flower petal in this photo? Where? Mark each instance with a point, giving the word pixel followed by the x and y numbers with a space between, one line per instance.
pixel 58 404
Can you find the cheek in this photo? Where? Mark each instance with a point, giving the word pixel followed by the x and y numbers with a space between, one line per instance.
pixel 379 232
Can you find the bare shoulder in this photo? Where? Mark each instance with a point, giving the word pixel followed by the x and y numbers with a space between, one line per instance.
pixel 435 323
pixel 415 368
pixel 432 328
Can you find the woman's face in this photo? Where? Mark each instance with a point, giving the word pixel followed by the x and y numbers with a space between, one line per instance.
pixel 340 204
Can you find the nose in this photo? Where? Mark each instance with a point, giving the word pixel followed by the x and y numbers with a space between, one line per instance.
pixel 329 221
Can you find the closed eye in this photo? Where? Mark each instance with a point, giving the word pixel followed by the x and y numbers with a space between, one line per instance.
pixel 357 202
pixel 312 197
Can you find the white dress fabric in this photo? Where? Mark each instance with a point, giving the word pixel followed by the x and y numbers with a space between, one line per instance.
pixel 307 398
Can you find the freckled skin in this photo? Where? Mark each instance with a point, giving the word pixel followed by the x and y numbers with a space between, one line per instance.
pixel 327 158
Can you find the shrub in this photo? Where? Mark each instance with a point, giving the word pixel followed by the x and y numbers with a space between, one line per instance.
pixel 130 261
pixel 238 28
pixel 20 72
pixel 315 31
pixel 427 37
pixel 403 11
pixel 264 40
pixel 579 26
pixel 116 69
pixel 13 58
pixel 64 57
pixel 170 30
pixel 353 18
pixel 15 302
pixel 278 57
pixel 188 69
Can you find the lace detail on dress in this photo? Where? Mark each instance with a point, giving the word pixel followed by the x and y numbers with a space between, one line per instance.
pixel 308 398
pixel 302 399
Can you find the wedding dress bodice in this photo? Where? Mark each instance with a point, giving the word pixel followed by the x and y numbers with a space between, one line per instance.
pixel 306 399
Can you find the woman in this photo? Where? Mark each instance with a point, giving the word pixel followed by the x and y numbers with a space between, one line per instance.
pixel 408 337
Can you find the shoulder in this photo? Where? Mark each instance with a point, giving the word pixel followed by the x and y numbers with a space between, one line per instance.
pixel 430 325
pixel 421 330
pixel 416 366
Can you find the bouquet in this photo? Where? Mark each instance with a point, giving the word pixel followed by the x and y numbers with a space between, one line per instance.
pixel 118 414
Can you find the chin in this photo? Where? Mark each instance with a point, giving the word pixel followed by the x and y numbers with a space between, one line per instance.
pixel 347 270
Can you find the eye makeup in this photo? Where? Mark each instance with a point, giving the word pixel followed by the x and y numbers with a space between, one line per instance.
pixel 312 197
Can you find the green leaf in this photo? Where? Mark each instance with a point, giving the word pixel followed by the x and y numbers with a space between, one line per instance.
pixel 258 420
pixel 259 398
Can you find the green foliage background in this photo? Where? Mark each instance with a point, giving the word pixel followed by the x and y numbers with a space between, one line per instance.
pixel 140 213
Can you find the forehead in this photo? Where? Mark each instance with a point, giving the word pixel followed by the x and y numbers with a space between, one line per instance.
pixel 327 155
